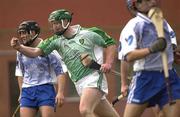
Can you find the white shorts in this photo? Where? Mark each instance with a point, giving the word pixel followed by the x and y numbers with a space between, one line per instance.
pixel 93 80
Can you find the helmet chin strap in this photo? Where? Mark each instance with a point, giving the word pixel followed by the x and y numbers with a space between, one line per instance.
pixel 32 39
pixel 59 33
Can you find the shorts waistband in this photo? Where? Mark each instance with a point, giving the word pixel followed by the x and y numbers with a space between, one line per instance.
pixel 160 71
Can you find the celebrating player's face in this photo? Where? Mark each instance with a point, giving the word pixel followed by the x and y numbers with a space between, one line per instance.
pixel 25 37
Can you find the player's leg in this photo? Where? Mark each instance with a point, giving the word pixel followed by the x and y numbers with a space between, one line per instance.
pixel 89 99
pixel 135 105
pixel 27 112
pixel 47 111
pixel 91 89
pixel 176 112
pixel 28 107
pixel 46 100
pixel 134 110
pixel 172 110
pixel 157 112
pixel 144 91
pixel 105 109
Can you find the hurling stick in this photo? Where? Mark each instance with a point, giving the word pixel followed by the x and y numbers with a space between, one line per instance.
pixel 87 61
pixel 15 112
pixel 118 98
pixel 156 16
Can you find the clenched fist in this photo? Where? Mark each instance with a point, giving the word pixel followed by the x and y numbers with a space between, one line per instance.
pixel 15 43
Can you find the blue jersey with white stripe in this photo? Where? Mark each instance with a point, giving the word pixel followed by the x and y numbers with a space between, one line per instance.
pixel 140 33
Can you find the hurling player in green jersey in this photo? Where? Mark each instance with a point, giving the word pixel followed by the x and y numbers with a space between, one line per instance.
pixel 81 50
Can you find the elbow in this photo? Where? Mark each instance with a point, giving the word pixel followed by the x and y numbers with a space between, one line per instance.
pixel 130 58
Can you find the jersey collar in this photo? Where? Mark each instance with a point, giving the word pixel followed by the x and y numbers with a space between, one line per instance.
pixel 143 17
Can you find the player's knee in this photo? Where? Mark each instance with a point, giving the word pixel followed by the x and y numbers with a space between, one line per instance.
pixel 84 111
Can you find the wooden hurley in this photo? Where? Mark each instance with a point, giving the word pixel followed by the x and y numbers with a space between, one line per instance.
pixel 117 99
pixel 156 16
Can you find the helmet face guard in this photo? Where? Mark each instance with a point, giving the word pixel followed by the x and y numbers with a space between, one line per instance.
pixel 60 16
pixel 28 26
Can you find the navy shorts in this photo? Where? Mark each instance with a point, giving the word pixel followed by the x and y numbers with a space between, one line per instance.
pixel 149 87
pixel 36 96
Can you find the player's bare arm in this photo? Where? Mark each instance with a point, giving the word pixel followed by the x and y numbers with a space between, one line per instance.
pixel 109 58
pixel 60 90
pixel 28 51
pixel 137 54
pixel 157 46
pixel 124 75
pixel 20 82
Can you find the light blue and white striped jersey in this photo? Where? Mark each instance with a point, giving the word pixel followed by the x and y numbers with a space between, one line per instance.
pixel 140 32
pixel 38 70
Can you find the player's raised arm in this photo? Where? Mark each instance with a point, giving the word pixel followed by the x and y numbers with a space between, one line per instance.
pixel 28 51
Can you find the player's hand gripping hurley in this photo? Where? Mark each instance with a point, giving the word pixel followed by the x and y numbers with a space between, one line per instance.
pixel 87 61
pixel 118 98
pixel 156 16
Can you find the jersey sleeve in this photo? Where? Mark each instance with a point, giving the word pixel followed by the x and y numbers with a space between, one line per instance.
pixel 19 66
pixel 172 35
pixel 107 39
pixel 48 45
pixel 127 42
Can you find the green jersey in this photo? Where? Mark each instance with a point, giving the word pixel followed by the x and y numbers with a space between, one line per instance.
pixel 85 41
